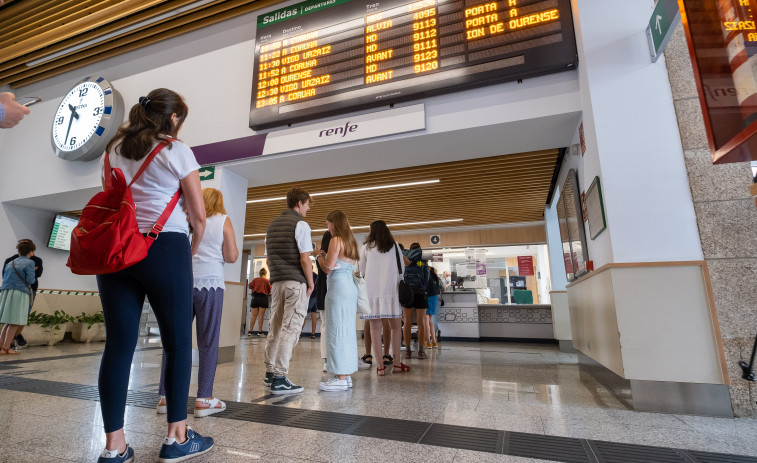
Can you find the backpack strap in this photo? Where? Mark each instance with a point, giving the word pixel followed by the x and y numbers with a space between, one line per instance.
pixel 158 148
pixel 158 227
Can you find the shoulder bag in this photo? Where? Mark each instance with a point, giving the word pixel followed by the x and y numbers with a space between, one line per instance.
pixel 363 307
pixel 404 291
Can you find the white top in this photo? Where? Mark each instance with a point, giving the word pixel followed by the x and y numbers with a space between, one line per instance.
pixel 381 279
pixel 154 189
pixel 207 264
pixel 302 235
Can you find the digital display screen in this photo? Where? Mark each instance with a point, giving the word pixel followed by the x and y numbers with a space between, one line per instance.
pixel 323 57
pixel 60 237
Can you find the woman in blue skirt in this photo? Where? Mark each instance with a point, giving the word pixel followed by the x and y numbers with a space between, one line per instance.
pixel 15 297
pixel 341 302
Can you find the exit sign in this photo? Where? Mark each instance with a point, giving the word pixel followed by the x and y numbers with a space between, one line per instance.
pixel 207 172
pixel 663 22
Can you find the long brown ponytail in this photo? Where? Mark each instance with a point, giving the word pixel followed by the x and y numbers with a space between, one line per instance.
pixel 149 121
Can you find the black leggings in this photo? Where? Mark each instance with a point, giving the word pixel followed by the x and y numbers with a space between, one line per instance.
pixel 165 277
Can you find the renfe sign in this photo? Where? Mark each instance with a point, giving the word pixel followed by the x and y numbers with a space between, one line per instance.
pixel 722 38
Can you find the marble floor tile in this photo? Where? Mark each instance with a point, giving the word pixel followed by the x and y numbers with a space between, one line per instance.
pixel 469 456
pixel 369 450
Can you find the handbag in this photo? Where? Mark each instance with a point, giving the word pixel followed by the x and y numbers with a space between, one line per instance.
pixel 23 280
pixel 363 307
pixel 107 238
pixel 404 290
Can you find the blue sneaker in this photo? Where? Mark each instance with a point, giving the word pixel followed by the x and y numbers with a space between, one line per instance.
pixel 194 446
pixel 112 456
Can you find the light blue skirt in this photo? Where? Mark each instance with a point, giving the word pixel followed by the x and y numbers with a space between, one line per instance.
pixel 341 333
pixel 14 307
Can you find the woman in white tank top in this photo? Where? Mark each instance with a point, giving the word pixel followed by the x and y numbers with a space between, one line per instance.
pixel 218 246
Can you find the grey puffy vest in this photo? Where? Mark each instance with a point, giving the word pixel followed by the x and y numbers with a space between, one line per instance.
pixel 283 253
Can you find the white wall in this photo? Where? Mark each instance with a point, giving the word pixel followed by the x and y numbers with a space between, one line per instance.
pixel 632 139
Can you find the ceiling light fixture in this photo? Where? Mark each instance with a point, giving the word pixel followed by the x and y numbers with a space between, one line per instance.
pixel 406 224
pixel 352 190
pixel 116 33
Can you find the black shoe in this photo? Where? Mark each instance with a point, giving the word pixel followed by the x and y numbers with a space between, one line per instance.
pixel 20 341
pixel 268 380
pixel 251 333
pixel 282 385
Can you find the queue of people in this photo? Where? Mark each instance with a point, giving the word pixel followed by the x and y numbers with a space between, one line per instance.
pixel 183 277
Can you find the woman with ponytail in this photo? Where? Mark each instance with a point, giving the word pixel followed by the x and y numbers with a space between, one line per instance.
pixel 164 276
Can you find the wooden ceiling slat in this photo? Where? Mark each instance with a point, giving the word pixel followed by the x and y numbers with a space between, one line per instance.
pixel 501 189
pixel 44 16
pixel 107 29
pixel 10 13
pixel 230 9
pixel 79 22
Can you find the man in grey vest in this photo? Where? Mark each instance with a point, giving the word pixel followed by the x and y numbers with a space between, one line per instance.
pixel 288 246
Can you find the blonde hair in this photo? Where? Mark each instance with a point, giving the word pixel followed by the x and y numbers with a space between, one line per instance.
pixel 213 200
pixel 344 232
pixel 263 272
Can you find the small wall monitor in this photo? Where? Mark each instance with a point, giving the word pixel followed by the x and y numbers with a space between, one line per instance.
pixel 60 237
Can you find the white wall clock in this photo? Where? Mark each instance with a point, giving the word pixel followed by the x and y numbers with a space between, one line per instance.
pixel 86 120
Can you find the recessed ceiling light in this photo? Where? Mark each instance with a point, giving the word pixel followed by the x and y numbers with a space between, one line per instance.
pixel 351 190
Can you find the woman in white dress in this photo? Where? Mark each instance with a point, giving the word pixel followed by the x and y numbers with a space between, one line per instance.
pixel 379 261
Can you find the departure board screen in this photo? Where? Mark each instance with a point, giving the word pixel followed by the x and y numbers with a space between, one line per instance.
pixel 323 57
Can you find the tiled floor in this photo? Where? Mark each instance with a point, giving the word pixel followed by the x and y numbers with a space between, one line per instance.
pixel 512 387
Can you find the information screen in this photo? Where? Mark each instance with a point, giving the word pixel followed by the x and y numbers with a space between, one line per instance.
pixel 323 57
pixel 60 237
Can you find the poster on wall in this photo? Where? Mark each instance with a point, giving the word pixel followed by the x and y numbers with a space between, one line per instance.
pixel 595 209
pixel 525 266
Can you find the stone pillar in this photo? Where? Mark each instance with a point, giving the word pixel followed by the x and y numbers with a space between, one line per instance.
pixel 727 222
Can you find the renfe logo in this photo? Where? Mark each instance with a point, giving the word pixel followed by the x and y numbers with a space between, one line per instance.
pixel 343 130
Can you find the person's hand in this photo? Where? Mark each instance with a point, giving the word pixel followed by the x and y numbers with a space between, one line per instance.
pixel 14 112
pixel 310 289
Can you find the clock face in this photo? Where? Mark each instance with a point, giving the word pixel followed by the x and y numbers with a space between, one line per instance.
pixel 87 118
pixel 78 117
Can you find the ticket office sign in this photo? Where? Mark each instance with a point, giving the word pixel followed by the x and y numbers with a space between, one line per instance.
pixel 323 57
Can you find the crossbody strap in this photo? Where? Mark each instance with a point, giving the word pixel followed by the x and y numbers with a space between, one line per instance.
pixel 23 280
pixel 397 255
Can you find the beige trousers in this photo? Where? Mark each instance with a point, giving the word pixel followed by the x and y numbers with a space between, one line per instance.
pixel 289 304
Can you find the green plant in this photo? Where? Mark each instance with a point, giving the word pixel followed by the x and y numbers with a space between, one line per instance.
pixel 91 319
pixel 50 322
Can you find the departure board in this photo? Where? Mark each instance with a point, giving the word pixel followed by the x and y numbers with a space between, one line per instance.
pixel 324 57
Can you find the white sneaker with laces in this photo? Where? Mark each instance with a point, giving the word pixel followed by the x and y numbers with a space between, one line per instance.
pixel 334 384
pixel 361 365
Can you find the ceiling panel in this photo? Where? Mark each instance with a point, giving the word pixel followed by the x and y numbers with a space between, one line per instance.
pixel 41 39
pixel 501 189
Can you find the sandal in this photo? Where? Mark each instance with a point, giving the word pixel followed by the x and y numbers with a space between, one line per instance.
pixel 401 368
pixel 388 360
pixel 381 371
pixel 367 358
pixel 213 406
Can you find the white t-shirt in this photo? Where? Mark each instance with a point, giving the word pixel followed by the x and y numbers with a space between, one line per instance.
pixel 156 186
pixel 302 235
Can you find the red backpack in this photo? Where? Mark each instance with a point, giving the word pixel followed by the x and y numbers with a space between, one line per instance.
pixel 107 237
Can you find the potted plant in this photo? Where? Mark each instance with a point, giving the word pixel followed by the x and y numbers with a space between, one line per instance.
pixel 89 327
pixel 46 329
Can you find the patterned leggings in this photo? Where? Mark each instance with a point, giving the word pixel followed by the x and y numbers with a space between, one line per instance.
pixel 207 309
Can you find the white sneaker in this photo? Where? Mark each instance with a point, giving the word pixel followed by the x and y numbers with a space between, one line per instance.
pixel 212 407
pixel 334 384
pixel 349 381
pixel 361 365
pixel 162 409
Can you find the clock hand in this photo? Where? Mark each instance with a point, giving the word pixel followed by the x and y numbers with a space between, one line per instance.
pixel 73 113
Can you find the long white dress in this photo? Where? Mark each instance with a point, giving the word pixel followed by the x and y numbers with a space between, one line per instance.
pixel 381 279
